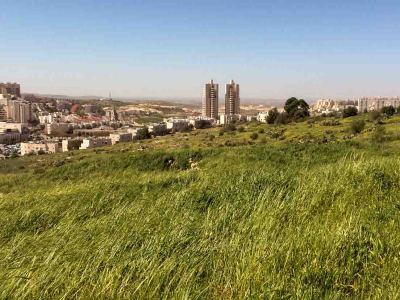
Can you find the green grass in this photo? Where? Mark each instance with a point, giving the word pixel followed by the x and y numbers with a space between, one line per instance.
pixel 188 217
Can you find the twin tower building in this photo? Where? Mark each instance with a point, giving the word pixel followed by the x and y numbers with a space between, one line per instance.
pixel 210 99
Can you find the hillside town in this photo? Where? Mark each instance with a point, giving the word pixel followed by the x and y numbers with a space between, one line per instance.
pixel 32 124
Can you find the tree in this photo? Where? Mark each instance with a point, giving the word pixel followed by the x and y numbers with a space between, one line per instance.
pixel 350 111
pixel 143 133
pixel 297 108
pixel 388 110
pixel 357 126
pixel 282 118
pixel 272 115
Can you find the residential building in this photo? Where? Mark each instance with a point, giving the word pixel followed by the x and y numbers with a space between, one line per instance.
pixel 9 136
pixel 158 129
pixel 232 99
pixel 70 144
pixel 326 106
pixel 175 125
pixel 94 143
pixel 202 122
pixel 377 103
pixel 20 127
pixel 19 111
pixel 37 147
pixel 121 137
pixel 111 114
pixel 210 100
pixel 59 129
pixel 227 119
pixel 9 88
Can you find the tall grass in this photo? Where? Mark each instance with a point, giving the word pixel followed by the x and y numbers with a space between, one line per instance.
pixel 309 221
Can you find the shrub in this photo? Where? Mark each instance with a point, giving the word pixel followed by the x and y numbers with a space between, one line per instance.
pixel 241 129
pixel 261 130
pixel 374 116
pixel 254 136
pixel 330 123
pixel 350 111
pixel 41 152
pixel 357 126
pixel 388 110
pixel 230 127
pixel 379 135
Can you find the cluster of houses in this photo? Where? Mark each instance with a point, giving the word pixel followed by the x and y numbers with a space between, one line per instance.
pixel 169 126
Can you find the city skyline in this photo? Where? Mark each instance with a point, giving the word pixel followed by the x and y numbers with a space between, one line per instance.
pixel 142 49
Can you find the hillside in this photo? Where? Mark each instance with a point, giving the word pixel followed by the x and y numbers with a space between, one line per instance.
pixel 304 210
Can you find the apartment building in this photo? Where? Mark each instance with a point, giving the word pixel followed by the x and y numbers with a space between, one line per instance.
pixel 9 136
pixel 59 129
pixel 232 99
pixel 377 103
pixel 10 88
pixel 36 148
pixel 210 100
pixel 19 111
pixel 94 143
pixel 70 144
pixel 121 137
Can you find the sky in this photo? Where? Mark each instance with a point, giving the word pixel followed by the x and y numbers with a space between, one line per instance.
pixel 166 49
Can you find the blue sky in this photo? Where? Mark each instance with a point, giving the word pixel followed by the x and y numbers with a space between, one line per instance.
pixel 154 48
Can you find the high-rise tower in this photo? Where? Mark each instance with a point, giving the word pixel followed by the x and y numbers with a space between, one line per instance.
pixel 232 99
pixel 210 100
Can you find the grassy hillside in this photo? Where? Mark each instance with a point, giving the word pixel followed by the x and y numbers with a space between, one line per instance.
pixel 304 210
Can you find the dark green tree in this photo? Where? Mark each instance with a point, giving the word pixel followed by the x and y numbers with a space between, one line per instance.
pixel 388 110
pixel 272 115
pixel 350 111
pixel 297 108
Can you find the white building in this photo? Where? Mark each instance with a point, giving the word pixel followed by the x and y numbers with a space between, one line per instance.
pixel 35 147
pixel 158 129
pixel 121 137
pixel 377 103
pixel 94 143
pixel 177 124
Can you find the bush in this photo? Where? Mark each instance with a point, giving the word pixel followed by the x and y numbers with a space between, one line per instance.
pixel 261 130
pixel 241 129
pixel 350 111
pixel 388 110
pixel 230 127
pixel 379 135
pixel 374 116
pixel 254 136
pixel 41 152
pixel 330 123
pixel 357 126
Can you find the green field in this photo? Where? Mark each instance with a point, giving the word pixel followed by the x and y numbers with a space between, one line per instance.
pixel 304 210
